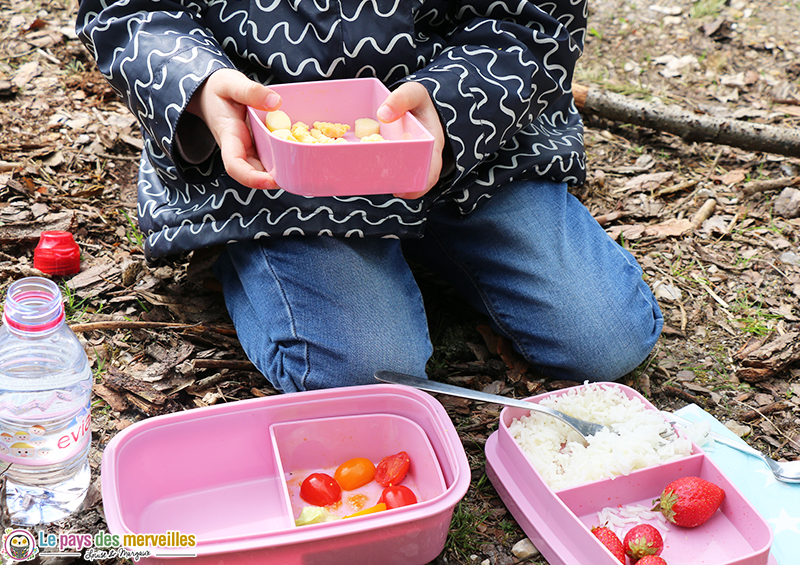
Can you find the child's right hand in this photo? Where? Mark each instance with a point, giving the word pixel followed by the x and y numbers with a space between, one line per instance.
pixel 221 102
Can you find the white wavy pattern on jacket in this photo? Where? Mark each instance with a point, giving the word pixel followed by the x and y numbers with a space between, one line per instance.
pixel 265 216
pixel 495 95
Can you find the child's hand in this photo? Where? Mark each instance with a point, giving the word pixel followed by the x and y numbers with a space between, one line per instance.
pixel 222 103
pixel 414 98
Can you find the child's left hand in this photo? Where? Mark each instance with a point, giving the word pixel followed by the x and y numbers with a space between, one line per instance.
pixel 414 98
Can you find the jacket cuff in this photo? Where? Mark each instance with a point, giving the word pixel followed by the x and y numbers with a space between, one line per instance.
pixel 193 140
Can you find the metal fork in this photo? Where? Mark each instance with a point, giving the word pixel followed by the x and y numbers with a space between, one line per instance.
pixel 785 471
pixel 584 428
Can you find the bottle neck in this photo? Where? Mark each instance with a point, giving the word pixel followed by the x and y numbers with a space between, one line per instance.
pixel 33 306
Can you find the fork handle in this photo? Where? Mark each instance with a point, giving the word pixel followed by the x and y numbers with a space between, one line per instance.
pixel 463 392
pixel 719 438
pixel 453 390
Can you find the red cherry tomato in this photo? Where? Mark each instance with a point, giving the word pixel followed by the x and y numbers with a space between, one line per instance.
pixel 392 469
pixel 395 497
pixel 354 473
pixel 320 489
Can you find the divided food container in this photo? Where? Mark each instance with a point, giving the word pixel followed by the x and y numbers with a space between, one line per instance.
pixel 559 522
pixel 230 476
pixel 398 165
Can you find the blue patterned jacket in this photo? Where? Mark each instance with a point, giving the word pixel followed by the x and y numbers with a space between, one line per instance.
pixel 498 71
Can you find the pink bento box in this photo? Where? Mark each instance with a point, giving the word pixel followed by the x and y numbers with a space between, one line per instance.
pixel 228 474
pixel 398 165
pixel 559 522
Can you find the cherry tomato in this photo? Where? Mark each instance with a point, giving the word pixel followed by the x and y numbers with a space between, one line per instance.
pixel 397 496
pixel 392 469
pixel 354 473
pixel 320 489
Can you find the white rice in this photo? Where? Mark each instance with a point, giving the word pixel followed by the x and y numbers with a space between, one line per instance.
pixel 632 442
pixel 621 519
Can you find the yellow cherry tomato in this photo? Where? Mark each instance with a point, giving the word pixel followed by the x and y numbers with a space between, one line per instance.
pixel 354 473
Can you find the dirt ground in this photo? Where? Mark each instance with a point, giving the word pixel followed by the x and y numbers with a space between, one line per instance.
pixel 715 228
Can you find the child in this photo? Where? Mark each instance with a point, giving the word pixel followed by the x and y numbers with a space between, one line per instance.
pixel 319 289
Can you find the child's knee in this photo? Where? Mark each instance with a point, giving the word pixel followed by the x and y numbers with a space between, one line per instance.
pixel 360 367
pixel 303 366
pixel 612 352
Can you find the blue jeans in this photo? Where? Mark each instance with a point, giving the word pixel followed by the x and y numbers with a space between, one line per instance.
pixel 318 312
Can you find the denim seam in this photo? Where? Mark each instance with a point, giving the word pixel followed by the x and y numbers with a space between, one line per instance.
pixel 291 317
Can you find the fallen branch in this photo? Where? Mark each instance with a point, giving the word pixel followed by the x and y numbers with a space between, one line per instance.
pixel 688 125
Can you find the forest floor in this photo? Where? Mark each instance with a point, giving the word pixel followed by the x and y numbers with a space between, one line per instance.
pixel 718 244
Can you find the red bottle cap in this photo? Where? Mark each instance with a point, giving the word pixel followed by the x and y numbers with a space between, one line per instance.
pixel 57 254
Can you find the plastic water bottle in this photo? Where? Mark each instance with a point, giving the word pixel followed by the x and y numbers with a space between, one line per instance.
pixel 45 389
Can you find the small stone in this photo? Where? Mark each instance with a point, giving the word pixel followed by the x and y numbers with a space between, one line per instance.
pixel 524 549
pixel 787 204
pixel 790 258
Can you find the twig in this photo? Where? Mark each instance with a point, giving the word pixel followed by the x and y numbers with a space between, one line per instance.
pixel 688 125
pixel 682 394
pixel 755 413
pixel 223 364
pixel 119 157
pixel 136 325
pixel 684 320
pixel 48 56
pixel 771 184
pixel 608 218
pixel 703 213
pixel 677 187
pixel 713 295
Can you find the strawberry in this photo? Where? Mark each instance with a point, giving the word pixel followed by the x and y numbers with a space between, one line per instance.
pixel 651 560
pixel 609 539
pixel 690 501
pixel 643 540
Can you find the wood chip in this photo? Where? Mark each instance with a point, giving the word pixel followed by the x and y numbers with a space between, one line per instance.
pixel 114 399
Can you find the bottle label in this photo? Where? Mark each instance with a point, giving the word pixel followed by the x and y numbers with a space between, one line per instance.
pixel 36 446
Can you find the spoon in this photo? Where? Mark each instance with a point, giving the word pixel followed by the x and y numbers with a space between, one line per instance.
pixel 583 427
pixel 787 472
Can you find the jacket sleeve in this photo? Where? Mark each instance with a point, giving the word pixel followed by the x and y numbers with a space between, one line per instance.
pixel 154 54
pixel 504 64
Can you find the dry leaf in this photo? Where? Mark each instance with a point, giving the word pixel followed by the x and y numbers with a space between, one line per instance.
pixel 25 73
pixel 672 227
pixel 645 183
pixel 731 177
